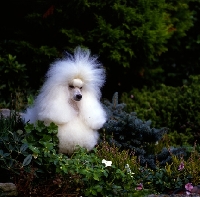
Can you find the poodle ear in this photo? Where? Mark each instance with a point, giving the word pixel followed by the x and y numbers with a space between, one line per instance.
pixel 53 105
pixel 91 111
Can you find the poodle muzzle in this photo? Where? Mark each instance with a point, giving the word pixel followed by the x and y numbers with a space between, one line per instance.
pixel 77 95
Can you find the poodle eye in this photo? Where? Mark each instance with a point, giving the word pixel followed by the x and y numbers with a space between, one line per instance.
pixel 80 87
pixel 71 86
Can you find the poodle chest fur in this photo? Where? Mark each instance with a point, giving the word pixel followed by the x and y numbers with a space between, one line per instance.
pixel 76 133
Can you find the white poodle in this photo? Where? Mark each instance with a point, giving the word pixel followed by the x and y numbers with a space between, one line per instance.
pixel 70 97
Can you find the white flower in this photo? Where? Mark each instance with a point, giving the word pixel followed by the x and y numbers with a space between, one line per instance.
pixel 107 163
pixel 129 170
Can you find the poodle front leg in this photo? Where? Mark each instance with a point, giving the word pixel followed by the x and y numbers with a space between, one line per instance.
pixel 92 112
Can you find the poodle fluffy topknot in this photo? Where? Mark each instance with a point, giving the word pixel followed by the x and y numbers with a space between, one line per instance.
pixel 70 97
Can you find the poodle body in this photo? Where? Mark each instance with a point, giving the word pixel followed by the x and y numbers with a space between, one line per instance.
pixel 70 97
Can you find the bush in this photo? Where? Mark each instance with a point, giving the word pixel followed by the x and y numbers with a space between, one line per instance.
pixel 128 132
pixel 13 78
pixel 42 143
pixel 181 59
pixel 14 154
pixel 174 107
pixel 128 35
pixel 31 160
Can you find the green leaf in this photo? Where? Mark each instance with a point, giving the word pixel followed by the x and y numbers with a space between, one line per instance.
pixel 6 154
pixel 34 149
pixel 23 147
pixel 27 160
pixel 11 148
pixel 40 126
pixel 29 127
pixel 20 132
pixel 96 177
pixel 1 152
pixel 52 128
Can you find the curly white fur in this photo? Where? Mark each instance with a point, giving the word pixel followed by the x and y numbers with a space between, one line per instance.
pixel 70 97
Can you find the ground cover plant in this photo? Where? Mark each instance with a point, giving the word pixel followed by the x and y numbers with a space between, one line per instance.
pixel 86 172
pixel 32 159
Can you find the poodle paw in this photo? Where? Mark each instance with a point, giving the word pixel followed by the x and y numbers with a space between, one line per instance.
pixel 97 124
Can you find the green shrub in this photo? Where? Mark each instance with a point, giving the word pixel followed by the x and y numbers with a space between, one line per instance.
pixel 128 35
pixel 174 107
pixel 13 78
pixel 32 146
pixel 181 59
pixel 42 143
pixel 172 176
pixel 14 154
pixel 178 173
pixel 119 157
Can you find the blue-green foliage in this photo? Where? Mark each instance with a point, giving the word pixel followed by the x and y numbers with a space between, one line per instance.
pixel 127 131
pixel 134 129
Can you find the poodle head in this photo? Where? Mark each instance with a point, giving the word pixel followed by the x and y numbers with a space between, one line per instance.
pixel 74 71
pixel 75 87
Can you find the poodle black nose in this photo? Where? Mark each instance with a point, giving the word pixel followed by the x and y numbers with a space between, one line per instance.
pixel 79 96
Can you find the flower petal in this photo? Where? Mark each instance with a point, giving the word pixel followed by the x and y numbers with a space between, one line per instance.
pixel 189 186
